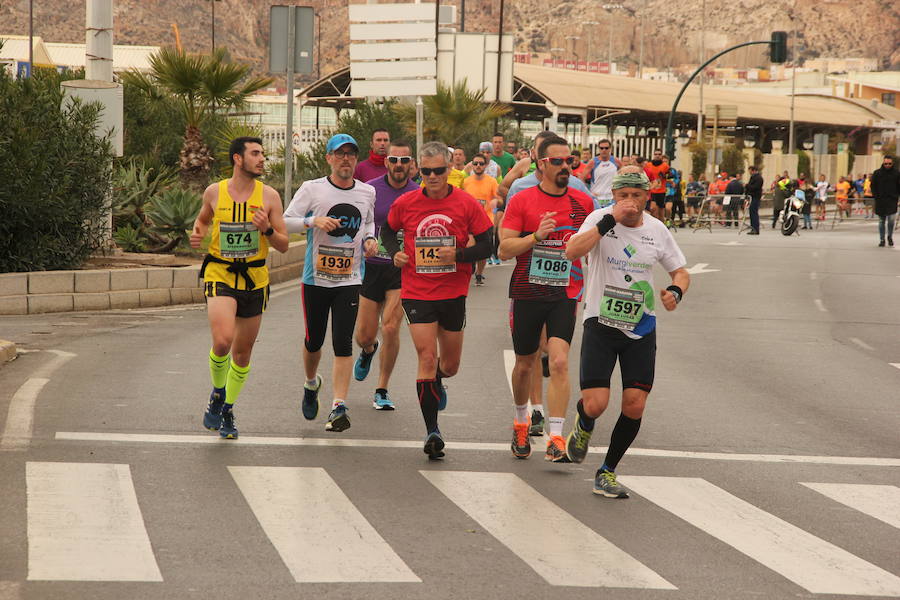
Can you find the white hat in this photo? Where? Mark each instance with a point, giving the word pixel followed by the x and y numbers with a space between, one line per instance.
pixel 485 147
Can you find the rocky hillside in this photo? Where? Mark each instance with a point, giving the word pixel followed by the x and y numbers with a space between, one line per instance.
pixel 859 28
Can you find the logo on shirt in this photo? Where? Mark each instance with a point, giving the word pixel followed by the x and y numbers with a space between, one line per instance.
pixel 434 226
pixel 629 251
pixel 351 221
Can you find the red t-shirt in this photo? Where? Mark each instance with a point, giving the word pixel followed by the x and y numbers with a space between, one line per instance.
pixel 524 214
pixel 457 215
pixel 656 173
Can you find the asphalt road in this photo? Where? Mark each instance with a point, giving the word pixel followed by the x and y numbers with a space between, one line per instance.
pixel 767 466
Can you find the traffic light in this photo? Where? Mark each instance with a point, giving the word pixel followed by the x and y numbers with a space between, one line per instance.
pixel 778 47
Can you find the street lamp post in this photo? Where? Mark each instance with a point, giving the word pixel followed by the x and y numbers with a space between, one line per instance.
pixel 574 39
pixel 610 8
pixel 590 37
pixel 213 3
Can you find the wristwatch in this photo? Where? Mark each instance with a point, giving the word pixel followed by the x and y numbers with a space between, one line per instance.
pixel 269 231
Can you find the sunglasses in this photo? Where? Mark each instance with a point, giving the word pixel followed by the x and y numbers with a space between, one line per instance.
pixel 478 164
pixel 602 147
pixel 437 171
pixel 403 160
pixel 345 153
pixel 558 162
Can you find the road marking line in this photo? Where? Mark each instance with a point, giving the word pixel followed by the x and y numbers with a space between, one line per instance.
pixel 700 268
pixel 895 365
pixel 820 305
pixel 861 344
pixel 20 417
pixel 245 440
pixel 84 524
pixel 570 553
pixel 879 501
pixel 318 532
pixel 810 562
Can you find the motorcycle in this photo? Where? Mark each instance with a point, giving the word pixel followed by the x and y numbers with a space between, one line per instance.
pixel 791 214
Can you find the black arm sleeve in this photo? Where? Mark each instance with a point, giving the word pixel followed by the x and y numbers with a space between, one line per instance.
pixel 481 250
pixel 389 240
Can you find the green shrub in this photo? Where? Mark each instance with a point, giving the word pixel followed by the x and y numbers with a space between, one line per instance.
pixel 56 175
pixel 134 186
pixel 129 239
pixel 803 163
pixel 698 159
pixel 172 213
pixel 732 160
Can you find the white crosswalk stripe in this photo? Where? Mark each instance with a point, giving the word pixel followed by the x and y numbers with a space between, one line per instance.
pixel 317 530
pixel 808 561
pixel 879 501
pixel 84 524
pixel 570 553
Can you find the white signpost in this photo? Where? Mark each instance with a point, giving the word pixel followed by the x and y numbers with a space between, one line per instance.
pixel 393 52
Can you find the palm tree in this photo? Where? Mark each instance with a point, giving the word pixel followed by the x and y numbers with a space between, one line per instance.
pixel 197 85
pixel 455 115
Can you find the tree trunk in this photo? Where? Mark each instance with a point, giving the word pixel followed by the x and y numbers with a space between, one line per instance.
pixel 196 160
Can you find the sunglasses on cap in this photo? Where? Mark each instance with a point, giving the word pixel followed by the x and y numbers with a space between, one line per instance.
pixel 558 162
pixel 403 160
pixel 436 170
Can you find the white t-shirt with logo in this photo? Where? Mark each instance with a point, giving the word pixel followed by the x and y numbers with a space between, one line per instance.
pixel 333 258
pixel 618 287
pixel 602 175
pixel 821 190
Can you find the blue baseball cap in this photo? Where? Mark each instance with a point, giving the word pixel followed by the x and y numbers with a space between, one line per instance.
pixel 339 140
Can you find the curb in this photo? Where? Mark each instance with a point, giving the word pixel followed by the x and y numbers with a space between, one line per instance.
pixel 7 351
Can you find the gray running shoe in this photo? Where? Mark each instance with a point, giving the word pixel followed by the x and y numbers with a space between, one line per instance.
pixel 577 443
pixel 537 423
pixel 605 484
pixel 338 420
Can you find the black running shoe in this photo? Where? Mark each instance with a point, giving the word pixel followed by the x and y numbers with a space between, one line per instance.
pixel 434 446
pixel 228 430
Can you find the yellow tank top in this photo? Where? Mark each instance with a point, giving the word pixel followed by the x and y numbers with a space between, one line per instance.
pixel 234 238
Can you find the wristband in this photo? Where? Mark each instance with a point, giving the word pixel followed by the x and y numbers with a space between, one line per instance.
pixel 459 255
pixel 606 223
pixel 370 237
pixel 536 238
pixel 677 292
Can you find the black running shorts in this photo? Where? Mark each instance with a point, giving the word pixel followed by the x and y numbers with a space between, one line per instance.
pixel 449 314
pixel 659 199
pixel 528 317
pixel 601 346
pixel 378 279
pixel 250 303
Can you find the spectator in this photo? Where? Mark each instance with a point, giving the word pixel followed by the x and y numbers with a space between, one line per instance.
pixel 821 197
pixel 886 190
pixel 754 189
pixel 734 196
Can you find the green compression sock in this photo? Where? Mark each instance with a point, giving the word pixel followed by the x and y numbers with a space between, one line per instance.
pixel 237 376
pixel 218 369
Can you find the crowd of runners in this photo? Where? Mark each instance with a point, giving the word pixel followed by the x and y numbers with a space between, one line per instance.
pixel 396 237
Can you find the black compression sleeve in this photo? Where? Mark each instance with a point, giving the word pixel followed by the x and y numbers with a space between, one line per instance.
pixel 389 240
pixel 481 249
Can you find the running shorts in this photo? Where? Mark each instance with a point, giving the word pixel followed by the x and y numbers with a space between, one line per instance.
pixel 250 303
pixel 601 346
pixel 378 280
pixel 343 304
pixel 449 314
pixel 659 199
pixel 528 317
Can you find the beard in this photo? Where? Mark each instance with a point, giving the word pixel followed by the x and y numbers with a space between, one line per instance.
pixel 399 175
pixel 250 174
pixel 562 179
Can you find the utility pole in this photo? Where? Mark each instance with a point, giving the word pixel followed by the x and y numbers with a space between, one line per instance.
pixel 791 146
pixel 213 21
pixel 590 38
pixel 641 55
pixel 702 58
pixel 30 36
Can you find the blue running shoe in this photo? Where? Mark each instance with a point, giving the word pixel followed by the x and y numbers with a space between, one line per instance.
pixel 212 418
pixel 434 445
pixel 338 420
pixel 442 395
pixel 363 364
pixel 228 430
pixel 310 404
pixel 382 401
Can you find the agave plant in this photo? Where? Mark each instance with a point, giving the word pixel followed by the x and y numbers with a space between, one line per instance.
pixel 129 238
pixel 172 213
pixel 134 187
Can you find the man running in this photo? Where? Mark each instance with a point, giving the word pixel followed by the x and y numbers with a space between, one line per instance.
pixel 500 156
pixel 600 172
pixel 437 265
pixel 457 168
pixel 246 219
pixel 484 189
pixel 379 297
pixel 656 170
pixel 338 214
pixel 374 166
pixel 545 287
pixel 623 244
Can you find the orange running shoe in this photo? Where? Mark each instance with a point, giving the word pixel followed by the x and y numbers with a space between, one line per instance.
pixel 521 446
pixel 556 450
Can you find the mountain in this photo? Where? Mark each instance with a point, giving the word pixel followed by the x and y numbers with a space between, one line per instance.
pixel 854 28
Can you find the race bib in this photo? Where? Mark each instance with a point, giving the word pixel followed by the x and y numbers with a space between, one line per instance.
pixel 334 263
pixel 382 251
pixel 621 308
pixel 426 249
pixel 238 240
pixel 726 200
pixel 549 266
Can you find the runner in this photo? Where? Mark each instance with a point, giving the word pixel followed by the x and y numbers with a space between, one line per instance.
pixel 656 170
pixel 379 297
pixel 436 265
pixel 457 168
pixel 484 189
pixel 374 166
pixel 623 244
pixel 246 219
pixel 544 287
pixel 338 214
pixel 600 172
pixel 504 159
